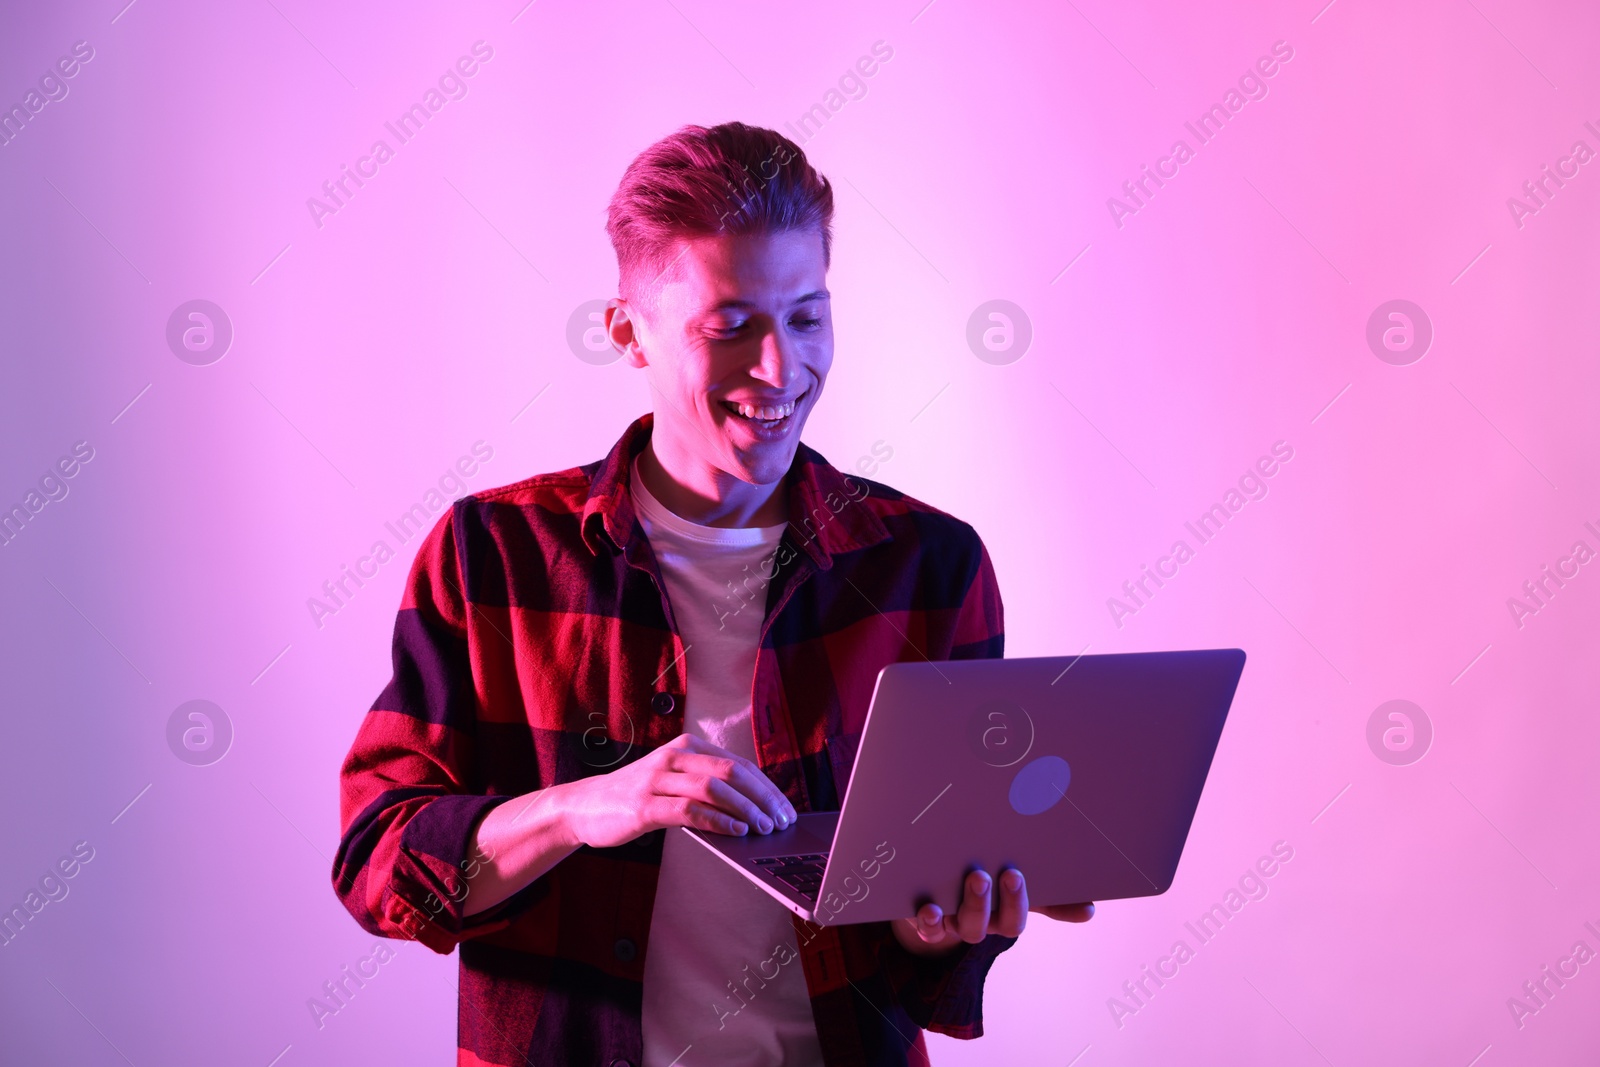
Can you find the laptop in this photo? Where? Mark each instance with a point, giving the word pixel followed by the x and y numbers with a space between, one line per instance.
pixel 1083 772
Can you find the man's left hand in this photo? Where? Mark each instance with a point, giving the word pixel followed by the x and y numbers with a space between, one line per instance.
pixel 933 933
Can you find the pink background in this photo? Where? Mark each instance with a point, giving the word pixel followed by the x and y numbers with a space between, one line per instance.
pixel 1224 316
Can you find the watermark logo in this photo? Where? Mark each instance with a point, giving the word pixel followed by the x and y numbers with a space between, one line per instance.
pixel 1399 332
pixel 199 332
pixel 1000 733
pixel 586 334
pixel 999 332
pixel 1399 733
pixel 600 749
pixel 199 733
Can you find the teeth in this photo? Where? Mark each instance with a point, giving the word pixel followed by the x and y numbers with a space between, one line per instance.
pixel 766 414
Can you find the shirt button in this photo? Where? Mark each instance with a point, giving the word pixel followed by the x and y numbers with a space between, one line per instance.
pixel 625 950
pixel 620 1063
pixel 663 703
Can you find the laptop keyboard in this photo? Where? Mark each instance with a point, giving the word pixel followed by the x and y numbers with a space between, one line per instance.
pixel 803 874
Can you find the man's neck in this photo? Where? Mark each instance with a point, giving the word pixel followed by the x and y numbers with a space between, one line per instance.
pixel 715 498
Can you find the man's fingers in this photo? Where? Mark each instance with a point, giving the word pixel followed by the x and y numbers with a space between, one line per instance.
pixel 713 793
pixel 931 924
pixel 686 811
pixel 749 780
pixel 1069 913
pixel 1012 918
pixel 972 918
pixel 704 758
pixel 736 803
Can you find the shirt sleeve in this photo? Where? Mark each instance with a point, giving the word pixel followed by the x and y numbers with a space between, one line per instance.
pixel 945 993
pixel 408 809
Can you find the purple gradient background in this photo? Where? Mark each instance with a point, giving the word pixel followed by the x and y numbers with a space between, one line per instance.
pixel 1175 350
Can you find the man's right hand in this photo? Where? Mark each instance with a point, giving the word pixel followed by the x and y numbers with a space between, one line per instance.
pixel 686 782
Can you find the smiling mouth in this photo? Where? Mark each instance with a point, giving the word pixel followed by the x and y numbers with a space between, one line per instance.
pixel 763 414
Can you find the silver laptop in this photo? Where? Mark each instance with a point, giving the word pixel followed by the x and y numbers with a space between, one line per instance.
pixel 1081 771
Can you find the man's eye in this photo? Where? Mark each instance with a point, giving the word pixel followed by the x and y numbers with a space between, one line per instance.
pixel 809 324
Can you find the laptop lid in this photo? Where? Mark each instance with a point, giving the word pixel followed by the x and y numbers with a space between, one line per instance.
pixel 1084 772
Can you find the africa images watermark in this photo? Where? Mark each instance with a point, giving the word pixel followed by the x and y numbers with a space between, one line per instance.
pixel 52 888
pixel 1252 485
pixel 1252 886
pixel 53 88
pixel 852 86
pixel 801 531
pixel 337 592
pixel 1539 991
pixel 52 487
pixel 1541 190
pixel 1538 591
pixel 338 992
pixel 828 910
pixel 1252 85
pixel 452 85
pixel 755 585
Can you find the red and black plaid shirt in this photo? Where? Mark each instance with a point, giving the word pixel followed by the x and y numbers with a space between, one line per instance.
pixel 533 645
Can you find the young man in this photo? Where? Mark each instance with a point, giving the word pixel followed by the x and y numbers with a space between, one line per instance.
pixel 685 633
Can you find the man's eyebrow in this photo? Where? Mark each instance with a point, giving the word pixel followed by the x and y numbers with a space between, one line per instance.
pixel 816 294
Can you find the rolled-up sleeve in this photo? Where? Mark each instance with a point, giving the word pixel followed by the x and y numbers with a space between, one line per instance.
pixel 408 812
pixel 943 993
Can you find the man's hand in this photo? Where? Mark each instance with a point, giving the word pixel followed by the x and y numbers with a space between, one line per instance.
pixel 686 782
pixel 932 933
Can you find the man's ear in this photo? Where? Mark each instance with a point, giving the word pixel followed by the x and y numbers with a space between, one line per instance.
pixel 623 328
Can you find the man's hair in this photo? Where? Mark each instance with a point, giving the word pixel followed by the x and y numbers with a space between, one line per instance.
pixel 701 181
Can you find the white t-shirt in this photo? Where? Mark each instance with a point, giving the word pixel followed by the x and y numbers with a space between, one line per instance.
pixel 723 982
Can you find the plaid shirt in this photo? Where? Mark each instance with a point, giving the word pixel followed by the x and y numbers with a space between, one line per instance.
pixel 535 645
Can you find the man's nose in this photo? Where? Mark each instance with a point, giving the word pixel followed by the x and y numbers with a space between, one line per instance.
pixel 778 364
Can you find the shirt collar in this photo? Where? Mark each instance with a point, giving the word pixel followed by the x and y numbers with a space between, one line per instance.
pixel 826 516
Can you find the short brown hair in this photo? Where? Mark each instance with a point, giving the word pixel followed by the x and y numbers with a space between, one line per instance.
pixel 701 181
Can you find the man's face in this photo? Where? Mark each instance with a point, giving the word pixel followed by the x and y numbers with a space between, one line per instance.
pixel 741 329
